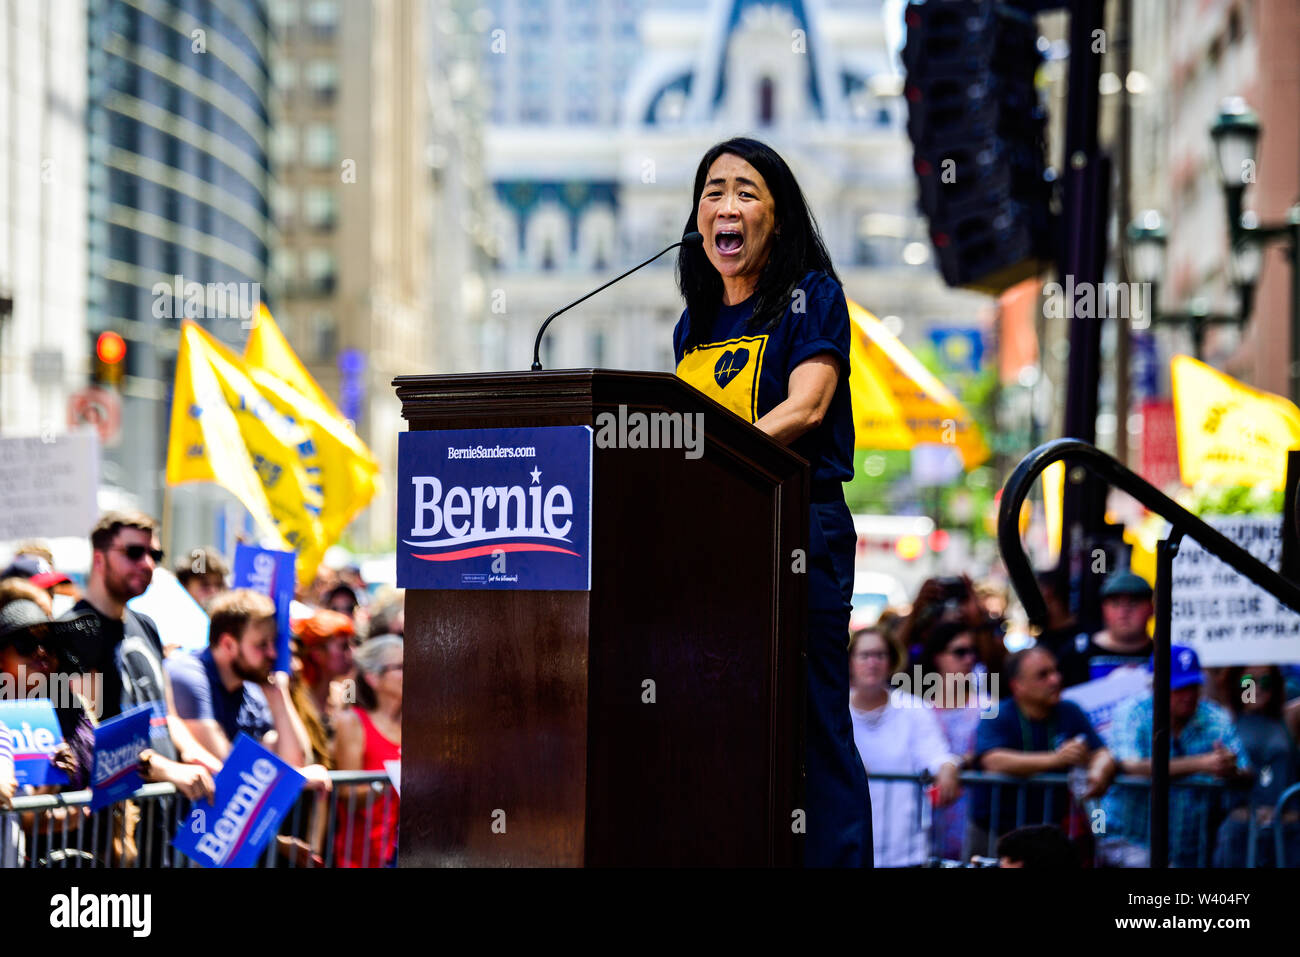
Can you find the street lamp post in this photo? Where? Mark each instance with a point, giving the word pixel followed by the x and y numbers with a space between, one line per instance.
pixel 1236 133
pixel 1146 264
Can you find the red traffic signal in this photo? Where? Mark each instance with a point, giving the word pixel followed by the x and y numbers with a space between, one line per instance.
pixel 110 348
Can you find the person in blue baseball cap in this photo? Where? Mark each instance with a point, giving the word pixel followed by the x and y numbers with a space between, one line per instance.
pixel 1204 746
pixel 1126 609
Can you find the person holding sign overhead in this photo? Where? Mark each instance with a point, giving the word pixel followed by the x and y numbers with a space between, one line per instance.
pixel 765 333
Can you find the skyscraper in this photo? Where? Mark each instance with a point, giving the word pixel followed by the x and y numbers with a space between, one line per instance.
pixel 42 213
pixel 178 195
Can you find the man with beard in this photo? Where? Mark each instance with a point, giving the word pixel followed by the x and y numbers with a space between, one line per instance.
pixel 230 686
pixel 123 647
pixel 121 652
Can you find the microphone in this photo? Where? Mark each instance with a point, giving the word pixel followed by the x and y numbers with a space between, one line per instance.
pixel 690 239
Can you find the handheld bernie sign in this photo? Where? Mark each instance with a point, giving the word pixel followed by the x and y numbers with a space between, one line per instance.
pixel 36 735
pixel 495 508
pixel 272 573
pixel 118 744
pixel 255 789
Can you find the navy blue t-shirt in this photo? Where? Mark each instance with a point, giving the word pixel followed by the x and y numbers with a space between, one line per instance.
pixel 748 371
pixel 1012 731
pixel 199 694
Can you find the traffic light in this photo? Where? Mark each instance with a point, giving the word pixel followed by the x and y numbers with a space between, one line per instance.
pixel 110 359
pixel 977 131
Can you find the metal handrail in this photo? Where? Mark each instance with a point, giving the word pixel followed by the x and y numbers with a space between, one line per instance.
pixel 1183 523
pixel 1055 778
pixel 1031 466
pixel 49 802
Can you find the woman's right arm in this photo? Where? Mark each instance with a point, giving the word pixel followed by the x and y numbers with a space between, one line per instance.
pixel 349 750
pixel 349 742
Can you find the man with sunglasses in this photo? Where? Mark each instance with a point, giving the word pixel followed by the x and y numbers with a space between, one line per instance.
pixel 124 647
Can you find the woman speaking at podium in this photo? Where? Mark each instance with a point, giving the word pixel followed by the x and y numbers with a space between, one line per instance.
pixel 765 333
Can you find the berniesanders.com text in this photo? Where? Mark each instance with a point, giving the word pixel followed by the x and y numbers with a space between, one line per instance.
pixel 492 452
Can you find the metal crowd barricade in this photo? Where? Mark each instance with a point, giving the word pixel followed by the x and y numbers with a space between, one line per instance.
pixel 1182 523
pixel 60 830
pixel 1263 826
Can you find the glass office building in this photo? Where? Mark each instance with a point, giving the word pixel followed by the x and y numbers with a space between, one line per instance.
pixel 178 127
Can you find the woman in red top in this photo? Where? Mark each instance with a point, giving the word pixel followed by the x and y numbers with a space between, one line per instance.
pixel 367 736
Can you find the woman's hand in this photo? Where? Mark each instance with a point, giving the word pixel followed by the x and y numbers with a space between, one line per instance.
pixel 948 784
pixel 808 398
pixel 63 759
pixel 318 778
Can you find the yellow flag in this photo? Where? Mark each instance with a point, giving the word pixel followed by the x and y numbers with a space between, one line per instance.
pixel 266 443
pixel 1054 508
pixel 897 402
pixel 206 441
pixel 349 473
pixel 1229 433
pixel 268 349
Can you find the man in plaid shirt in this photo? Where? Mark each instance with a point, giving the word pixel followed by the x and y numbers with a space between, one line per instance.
pixel 1204 747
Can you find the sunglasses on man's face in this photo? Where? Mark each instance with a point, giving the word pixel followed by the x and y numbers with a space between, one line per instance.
pixel 135 553
pixel 1263 682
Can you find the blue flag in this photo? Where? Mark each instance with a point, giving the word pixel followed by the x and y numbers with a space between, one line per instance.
pixel 118 743
pixel 36 735
pixel 255 789
pixel 272 573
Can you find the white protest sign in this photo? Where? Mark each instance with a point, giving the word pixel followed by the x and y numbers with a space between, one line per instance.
pixel 48 486
pixel 1226 618
pixel 1101 698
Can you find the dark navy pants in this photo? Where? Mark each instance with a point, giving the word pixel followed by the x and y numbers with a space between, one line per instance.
pixel 838 802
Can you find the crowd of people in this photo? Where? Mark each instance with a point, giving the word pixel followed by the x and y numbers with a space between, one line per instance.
pixel 937 694
pixel 336 707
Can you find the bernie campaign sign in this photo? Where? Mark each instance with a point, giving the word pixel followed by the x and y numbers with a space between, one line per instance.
pixel 118 744
pixel 35 734
pixel 271 573
pixel 495 508
pixel 255 789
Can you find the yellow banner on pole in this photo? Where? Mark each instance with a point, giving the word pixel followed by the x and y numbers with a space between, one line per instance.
pixel 897 402
pixel 290 462
pixel 268 349
pixel 349 470
pixel 1229 433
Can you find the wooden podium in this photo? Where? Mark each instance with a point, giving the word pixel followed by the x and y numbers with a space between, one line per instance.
pixel 656 719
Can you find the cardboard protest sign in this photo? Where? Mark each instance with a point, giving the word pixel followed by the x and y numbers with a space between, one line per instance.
pixel 1225 617
pixel 1102 698
pixel 36 736
pixel 118 743
pixel 271 573
pixel 254 791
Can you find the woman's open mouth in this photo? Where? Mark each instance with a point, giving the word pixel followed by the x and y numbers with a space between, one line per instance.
pixel 728 242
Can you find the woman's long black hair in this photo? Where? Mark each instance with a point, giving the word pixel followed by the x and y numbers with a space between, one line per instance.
pixel 795 251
